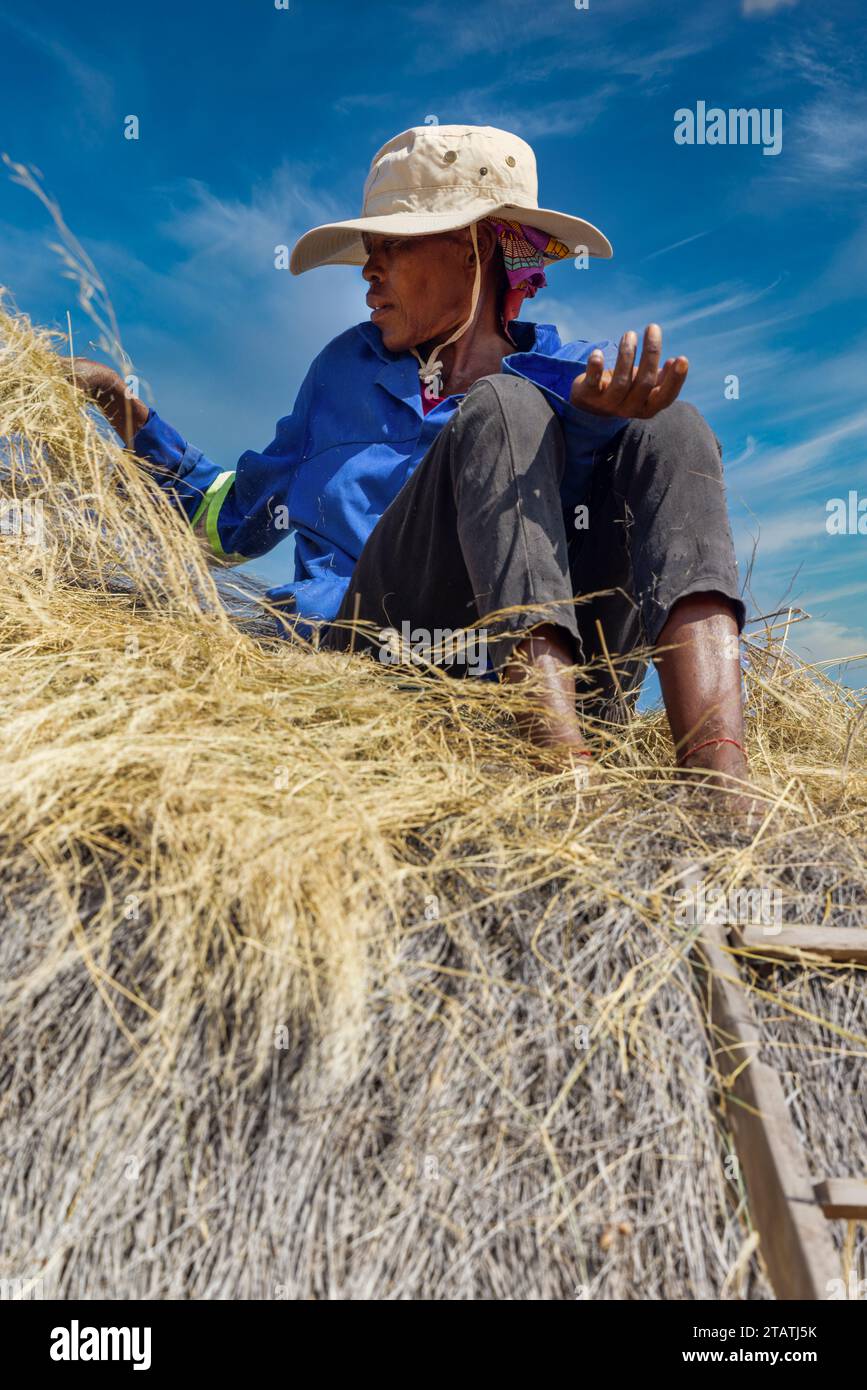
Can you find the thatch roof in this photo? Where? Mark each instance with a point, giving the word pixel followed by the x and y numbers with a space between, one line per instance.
pixel 313 986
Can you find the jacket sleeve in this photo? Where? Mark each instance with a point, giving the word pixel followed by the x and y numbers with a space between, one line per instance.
pixel 554 375
pixel 242 512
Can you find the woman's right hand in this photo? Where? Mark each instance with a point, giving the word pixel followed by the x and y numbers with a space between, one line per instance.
pixel 96 379
pixel 107 389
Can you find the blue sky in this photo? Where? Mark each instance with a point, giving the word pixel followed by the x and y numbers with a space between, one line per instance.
pixel 257 123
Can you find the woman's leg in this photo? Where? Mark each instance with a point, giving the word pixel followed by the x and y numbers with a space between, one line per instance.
pixel 700 677
pixel 658 538
pixel 545 662
pixel 478 530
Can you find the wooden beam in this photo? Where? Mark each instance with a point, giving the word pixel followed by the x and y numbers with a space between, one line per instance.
pixel 794 1239
pixel 832 943
pixel 842 1199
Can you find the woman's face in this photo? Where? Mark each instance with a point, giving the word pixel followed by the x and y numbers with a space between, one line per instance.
pixel 420 286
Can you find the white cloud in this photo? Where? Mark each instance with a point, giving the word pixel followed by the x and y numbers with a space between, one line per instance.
pixel 832 136
pixel 746 453
pixel 675 246
pixel 797 58
pixel 765 6
pixel 601 311
pixel 262 326
pixel 88 82
pixel 842 591
pixel 492 27
pixel 236 231
pixel 531 120
pixel 791 460
pixel 725 305
pixel 822 639
pixel 782 533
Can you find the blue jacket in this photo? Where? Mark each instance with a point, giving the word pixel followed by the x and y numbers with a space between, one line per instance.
pixel 355 436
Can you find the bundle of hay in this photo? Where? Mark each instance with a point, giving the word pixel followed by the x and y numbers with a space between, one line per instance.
pixel 313 987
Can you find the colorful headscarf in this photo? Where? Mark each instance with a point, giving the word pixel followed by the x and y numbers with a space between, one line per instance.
pixel 526 252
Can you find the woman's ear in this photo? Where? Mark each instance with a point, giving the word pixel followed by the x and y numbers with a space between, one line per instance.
pixel 488 241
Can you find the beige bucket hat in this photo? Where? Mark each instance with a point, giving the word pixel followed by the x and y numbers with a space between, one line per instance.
pixel 437 178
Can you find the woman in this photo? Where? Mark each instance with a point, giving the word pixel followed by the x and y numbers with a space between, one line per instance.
pixel 439 456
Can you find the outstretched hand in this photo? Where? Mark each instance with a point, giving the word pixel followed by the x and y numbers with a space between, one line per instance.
pixel 630 392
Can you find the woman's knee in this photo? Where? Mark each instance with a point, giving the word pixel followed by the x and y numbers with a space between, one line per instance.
pixel 513 399
pixel 509 420
pixel 680 420
pixel 677 437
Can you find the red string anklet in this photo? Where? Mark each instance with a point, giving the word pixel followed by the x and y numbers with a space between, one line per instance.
pixel 707 743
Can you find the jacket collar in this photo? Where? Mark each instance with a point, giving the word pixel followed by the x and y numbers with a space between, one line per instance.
pixel 399 371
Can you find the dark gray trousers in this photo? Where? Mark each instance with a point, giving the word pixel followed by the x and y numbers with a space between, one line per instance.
pixel 477 537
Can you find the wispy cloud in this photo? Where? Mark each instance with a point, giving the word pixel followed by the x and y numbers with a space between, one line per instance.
pixel 831 136
pixel 492 27
pixel 746 453
pixel 562 40
pixel 675 246
pixel 601 311
pixel 534 120
pixel 625 59
pixel 365 101
pixel 829 595
pixel 822 62
pixel 823 639
pixel 826 110
pixel 756 7
pixel 820 448
pixel 777 533
pixel 571 116
pixel 242 232
pixel 726 305
pixel 89 83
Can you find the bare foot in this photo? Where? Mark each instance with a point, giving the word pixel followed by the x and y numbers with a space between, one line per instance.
pixel 731 792
pixel 723 772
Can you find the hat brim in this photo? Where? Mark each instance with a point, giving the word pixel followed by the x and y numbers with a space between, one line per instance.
pixel 339 243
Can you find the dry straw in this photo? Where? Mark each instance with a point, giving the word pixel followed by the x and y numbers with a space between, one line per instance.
pixel 313 986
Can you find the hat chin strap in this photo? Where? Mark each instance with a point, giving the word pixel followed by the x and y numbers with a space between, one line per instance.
pixel 430 371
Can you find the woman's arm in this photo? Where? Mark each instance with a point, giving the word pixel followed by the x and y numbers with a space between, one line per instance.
pixel 243 512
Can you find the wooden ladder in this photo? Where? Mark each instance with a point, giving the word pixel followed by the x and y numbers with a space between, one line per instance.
pixel 789 1209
